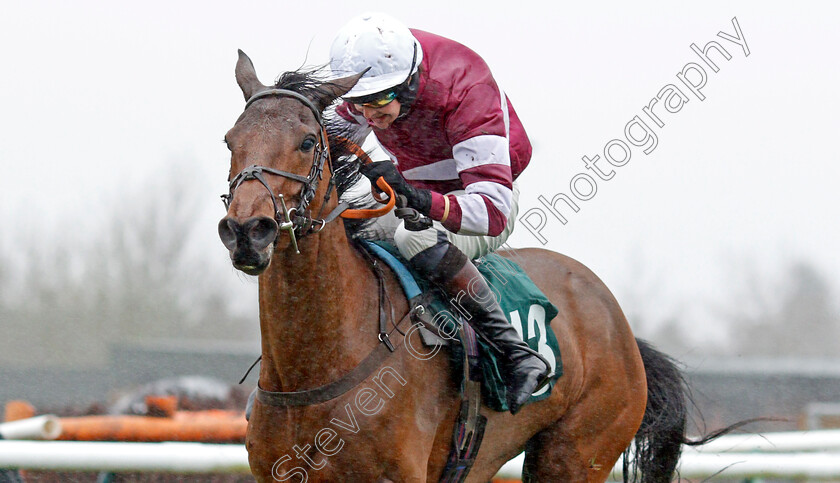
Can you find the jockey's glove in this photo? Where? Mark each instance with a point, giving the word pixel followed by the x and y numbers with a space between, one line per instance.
pixel 418 198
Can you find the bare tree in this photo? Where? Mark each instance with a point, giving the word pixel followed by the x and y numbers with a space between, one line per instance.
pixel 793 316
pixel 140 275
pixel 643 297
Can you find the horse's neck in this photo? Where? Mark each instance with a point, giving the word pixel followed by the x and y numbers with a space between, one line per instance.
pixel 313 309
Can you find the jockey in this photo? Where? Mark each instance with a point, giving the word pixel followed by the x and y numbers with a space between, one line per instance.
pixel 456 147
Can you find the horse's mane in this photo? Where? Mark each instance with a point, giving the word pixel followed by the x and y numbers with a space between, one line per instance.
pixel 309 82
pixel 313 83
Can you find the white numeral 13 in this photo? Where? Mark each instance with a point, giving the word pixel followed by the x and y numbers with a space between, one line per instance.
pixel 536 315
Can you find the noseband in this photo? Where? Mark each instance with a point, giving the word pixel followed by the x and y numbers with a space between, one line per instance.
pixel 297 221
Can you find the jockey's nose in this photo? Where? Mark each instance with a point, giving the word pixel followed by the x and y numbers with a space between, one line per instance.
pixel 255 233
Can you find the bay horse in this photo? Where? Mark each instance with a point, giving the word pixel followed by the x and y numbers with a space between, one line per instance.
pixel 318 309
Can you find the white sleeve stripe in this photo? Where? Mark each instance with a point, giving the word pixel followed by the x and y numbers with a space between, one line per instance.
pixel 474 216
pixel 444 170
pixel 498 194
pixel 481 150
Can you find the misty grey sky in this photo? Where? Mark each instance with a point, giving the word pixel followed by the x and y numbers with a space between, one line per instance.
pixel 98 95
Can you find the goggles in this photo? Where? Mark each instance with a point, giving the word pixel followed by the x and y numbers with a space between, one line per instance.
pixel 375 101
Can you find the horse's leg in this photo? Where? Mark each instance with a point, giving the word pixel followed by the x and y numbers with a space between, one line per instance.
pixel 586 442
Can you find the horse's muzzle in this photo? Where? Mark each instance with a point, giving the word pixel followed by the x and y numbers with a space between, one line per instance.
pixel 250 243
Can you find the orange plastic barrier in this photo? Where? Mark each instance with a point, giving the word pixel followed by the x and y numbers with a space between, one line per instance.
pixel 214 426
pixel 161 406
pixel 17 410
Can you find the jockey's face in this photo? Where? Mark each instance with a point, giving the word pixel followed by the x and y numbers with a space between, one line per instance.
pixel 380 117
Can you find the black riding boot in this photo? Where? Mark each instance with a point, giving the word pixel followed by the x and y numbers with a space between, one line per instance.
pixel 524 369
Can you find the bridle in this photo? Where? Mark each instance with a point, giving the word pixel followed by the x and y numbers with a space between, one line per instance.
pixel 297 221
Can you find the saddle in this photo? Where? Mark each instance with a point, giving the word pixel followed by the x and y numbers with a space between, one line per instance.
pixel 526 307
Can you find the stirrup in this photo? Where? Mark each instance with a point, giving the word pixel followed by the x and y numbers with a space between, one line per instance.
pixel 546 378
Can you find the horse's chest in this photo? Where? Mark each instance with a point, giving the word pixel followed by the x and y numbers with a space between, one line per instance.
pixel 316 445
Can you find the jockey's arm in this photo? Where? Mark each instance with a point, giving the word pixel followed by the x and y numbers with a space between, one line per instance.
pixel 479 130
pixel 484 204
pixel 483 164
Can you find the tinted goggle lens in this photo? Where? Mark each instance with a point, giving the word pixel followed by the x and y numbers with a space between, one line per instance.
pixel 375 102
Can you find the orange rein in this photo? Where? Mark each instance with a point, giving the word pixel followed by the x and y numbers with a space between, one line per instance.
pixel 388 200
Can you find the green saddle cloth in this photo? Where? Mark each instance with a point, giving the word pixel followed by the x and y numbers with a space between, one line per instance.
pixel 526 307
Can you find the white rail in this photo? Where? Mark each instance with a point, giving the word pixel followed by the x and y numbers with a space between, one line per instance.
pixel 814 455
pixel 787 442
pixel 40 427
pixel 96 456
pixel 694 465
pixel 813 466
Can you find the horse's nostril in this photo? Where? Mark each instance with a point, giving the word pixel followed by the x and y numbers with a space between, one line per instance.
pixel 227 232
pixel 261 232
pixel 254 234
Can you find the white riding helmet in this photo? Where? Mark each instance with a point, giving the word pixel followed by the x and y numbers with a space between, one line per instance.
pixel 377 41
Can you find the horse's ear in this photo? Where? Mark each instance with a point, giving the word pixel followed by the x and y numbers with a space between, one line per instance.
pixel 246 76
pixel 336 88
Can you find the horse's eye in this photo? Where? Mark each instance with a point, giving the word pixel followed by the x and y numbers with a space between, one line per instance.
pixel 307 144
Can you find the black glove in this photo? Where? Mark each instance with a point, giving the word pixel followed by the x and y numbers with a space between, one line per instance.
pixel 417 198
pixel 412 218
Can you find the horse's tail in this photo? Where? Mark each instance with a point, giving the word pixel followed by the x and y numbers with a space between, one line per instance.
pixel 658 443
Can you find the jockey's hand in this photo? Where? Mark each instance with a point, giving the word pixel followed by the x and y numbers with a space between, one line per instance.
pixel 417 198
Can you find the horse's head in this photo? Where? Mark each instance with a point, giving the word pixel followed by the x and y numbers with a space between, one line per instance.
pixel 278 153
